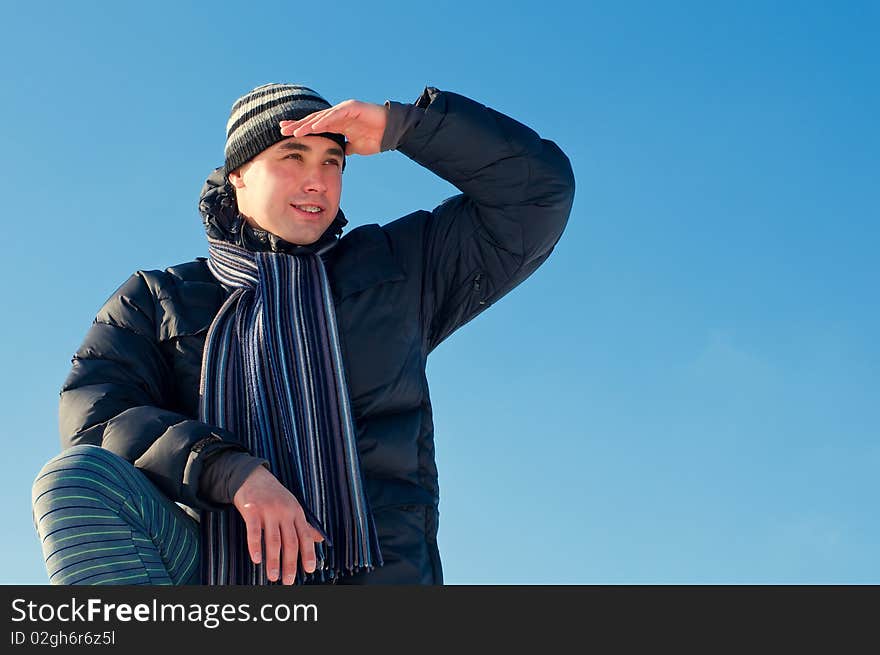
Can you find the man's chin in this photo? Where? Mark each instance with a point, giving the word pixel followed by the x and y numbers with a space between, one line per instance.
pixel 301 239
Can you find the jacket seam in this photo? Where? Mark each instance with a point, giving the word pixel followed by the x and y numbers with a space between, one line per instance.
pixel 115 384
pixel 123 326
pixel 154 296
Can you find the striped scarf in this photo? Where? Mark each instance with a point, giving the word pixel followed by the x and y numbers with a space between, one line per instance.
pixel 272 373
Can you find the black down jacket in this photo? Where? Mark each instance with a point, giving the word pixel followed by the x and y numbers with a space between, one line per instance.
pixel 399 290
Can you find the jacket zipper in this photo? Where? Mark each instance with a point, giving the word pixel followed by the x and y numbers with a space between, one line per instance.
pixel 477 285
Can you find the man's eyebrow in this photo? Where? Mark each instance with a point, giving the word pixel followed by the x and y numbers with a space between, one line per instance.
pixel 294 145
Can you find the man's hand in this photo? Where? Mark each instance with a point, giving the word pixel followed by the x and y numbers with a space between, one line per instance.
pixel 270 511
pixel 362 123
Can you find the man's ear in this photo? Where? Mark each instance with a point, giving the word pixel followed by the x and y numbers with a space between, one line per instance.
pixel 236 179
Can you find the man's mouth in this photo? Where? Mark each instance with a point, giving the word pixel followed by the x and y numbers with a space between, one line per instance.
pixel 310 211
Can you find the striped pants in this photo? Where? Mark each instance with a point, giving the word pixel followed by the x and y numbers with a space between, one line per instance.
pixel 101 521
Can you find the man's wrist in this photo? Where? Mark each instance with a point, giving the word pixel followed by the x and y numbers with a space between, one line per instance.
pixel 240 471
pixel 224 474
pixel 401 119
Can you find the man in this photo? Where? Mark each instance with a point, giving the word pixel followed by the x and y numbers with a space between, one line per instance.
pixel 277 388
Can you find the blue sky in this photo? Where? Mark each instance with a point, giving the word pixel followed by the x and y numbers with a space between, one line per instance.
pixel 686 391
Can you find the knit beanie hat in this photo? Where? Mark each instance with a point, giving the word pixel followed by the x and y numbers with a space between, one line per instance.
pixel 253 121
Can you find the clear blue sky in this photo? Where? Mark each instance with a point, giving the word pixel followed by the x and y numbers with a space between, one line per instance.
pixel 686 392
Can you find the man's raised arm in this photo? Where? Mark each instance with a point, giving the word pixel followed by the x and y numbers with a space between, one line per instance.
pixel 517 193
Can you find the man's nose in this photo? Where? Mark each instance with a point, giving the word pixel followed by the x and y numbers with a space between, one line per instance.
pixel 314 181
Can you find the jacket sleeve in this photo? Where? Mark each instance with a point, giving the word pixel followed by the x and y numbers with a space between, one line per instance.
pixel 517 193
pixel 115 397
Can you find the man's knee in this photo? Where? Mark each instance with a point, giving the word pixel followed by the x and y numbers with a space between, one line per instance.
pixel 81 469
pixel 75 454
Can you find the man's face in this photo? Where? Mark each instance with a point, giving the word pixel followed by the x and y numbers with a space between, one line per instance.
pixel 273 188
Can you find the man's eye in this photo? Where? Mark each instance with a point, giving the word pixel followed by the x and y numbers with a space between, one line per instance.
pixel 334 161
pixel 294 155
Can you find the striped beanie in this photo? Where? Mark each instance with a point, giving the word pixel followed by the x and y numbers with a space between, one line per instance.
pixel 253 121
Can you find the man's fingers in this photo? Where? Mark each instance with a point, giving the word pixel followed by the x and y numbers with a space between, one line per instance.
pixel 289 552
pixel 254 536
pixel 304 123
pixel 329 120
pixel 272 537
pixel 287 127
pixel 305 128
pixel 308 535
pixel 335 120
